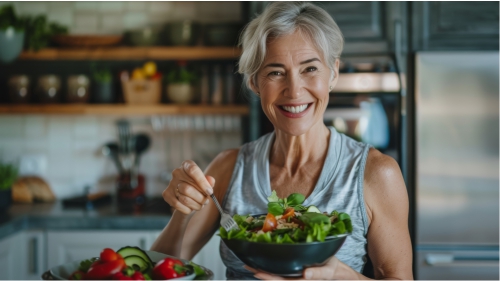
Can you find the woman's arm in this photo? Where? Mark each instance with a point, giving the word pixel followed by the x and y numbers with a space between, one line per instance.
pixel 386 198
pixel 186 234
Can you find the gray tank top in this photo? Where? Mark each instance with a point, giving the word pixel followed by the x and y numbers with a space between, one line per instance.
pixel 339 187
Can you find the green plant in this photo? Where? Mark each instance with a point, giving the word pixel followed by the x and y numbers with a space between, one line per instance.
pixel 37 30
pixel 101 74
pixel 8 19
pixel 181 75
pixel 8 174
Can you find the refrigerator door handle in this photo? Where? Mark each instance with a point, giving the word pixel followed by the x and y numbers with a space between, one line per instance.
pixel 452 260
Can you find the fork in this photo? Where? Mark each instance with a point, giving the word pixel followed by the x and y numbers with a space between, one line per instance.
pixel 226 220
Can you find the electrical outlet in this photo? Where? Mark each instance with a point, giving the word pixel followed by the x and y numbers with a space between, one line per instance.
pixel 33 165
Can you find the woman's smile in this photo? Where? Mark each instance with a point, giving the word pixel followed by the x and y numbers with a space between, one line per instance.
pixel 294 110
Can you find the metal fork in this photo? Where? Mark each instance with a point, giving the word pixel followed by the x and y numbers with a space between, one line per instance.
pixel 226 220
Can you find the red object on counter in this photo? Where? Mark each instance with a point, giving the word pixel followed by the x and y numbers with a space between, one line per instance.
pixel 105 270
pixel 168 268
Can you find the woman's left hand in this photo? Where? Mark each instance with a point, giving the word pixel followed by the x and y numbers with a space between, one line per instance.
pixel 324 272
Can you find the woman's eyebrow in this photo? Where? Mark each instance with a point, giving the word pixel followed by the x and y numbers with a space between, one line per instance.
pixel 282 65
pixel 274 65
pixel 310 60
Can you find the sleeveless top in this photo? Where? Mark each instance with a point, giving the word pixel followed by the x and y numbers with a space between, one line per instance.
pixel 339 187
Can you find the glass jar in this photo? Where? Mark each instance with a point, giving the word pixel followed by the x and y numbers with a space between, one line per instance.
pixel 48 89
pixel 19 89
pixel 78 89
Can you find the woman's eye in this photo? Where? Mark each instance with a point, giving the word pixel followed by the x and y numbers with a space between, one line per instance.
pixel 311 69
pixel 275 73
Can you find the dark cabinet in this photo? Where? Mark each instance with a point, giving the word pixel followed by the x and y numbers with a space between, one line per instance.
pixel 361 23
pixel 455 25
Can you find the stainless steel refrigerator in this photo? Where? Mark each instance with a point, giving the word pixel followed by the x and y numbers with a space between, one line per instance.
pixel 457 165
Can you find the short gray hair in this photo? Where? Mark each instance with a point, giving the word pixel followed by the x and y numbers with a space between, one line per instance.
pixel 284 18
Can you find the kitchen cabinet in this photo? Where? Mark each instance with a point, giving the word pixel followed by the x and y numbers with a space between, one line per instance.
pixel 455 25
pixel 22 256
pixel 67 246
pixel 10 257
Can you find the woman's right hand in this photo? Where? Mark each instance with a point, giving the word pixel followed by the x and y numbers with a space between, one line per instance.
pixel 189 188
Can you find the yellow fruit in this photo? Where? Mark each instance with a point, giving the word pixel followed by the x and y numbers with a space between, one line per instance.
pixel 149 68
pixel 138 74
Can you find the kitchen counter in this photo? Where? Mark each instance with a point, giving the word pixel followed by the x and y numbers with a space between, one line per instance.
pixel 53 216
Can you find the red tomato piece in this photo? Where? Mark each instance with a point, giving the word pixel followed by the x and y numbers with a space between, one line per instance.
pixel 289 213
pixel 108 255
pixel 105 270
pixel 270 223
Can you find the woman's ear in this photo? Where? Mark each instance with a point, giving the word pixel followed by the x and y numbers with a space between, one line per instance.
pixel 252 85
pixel 335 75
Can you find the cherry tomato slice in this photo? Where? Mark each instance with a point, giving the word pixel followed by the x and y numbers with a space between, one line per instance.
pixel 105 270
pixel 289 213
pixel 270 223
pixel 108 255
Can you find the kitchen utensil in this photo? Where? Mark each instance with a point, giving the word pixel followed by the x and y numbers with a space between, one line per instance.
pixel 78 89
pixel 19 89
pixel 48 89
pixel 285 259
pixel 88 201
pixel 111 150
pixel 226 220
pixel 142 142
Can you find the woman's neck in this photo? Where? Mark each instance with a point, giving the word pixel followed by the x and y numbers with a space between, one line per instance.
pixel 291 152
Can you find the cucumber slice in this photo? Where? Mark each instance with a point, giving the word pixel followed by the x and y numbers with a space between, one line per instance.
pixel 137 263
pixel 135 251
pixel 313 209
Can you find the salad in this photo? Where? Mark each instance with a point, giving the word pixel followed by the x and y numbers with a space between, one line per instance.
pixel 288 221
pixel 132 263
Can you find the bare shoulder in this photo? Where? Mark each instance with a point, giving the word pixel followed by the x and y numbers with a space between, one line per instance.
pixel 384 186
pixel 221 169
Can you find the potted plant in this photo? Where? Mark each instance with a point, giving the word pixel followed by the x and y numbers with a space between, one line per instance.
pixel 32 32
pixel 8 175
pixel 103 85
pixel 180 80
pixel 11 34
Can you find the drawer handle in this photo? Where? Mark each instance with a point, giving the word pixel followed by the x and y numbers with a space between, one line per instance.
pixel 452 260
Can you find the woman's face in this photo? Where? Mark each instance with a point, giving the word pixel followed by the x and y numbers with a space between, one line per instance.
pixel 293 83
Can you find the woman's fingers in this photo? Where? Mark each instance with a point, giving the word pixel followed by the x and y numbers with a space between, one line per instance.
pixel 188 189
pixel 196 174
pixel 325 272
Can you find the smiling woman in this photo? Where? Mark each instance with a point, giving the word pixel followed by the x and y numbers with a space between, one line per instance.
pixel 290 60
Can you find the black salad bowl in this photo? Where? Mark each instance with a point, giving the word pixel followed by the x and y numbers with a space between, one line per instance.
pixel 288 260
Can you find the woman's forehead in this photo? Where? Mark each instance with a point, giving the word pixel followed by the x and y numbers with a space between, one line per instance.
pixel 294 47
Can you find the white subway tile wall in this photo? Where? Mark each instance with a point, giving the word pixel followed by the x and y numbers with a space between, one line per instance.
pixel 72 146
pixel 110 17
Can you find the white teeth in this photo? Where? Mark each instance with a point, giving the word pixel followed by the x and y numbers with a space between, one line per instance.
pixel 295 109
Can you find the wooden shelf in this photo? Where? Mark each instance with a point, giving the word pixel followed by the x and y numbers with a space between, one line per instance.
pixel 133 53
pixel 124 109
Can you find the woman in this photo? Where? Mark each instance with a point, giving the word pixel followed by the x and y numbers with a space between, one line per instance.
pixel 290 60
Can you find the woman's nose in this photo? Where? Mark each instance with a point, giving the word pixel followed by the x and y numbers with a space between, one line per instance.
pixel 293 87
